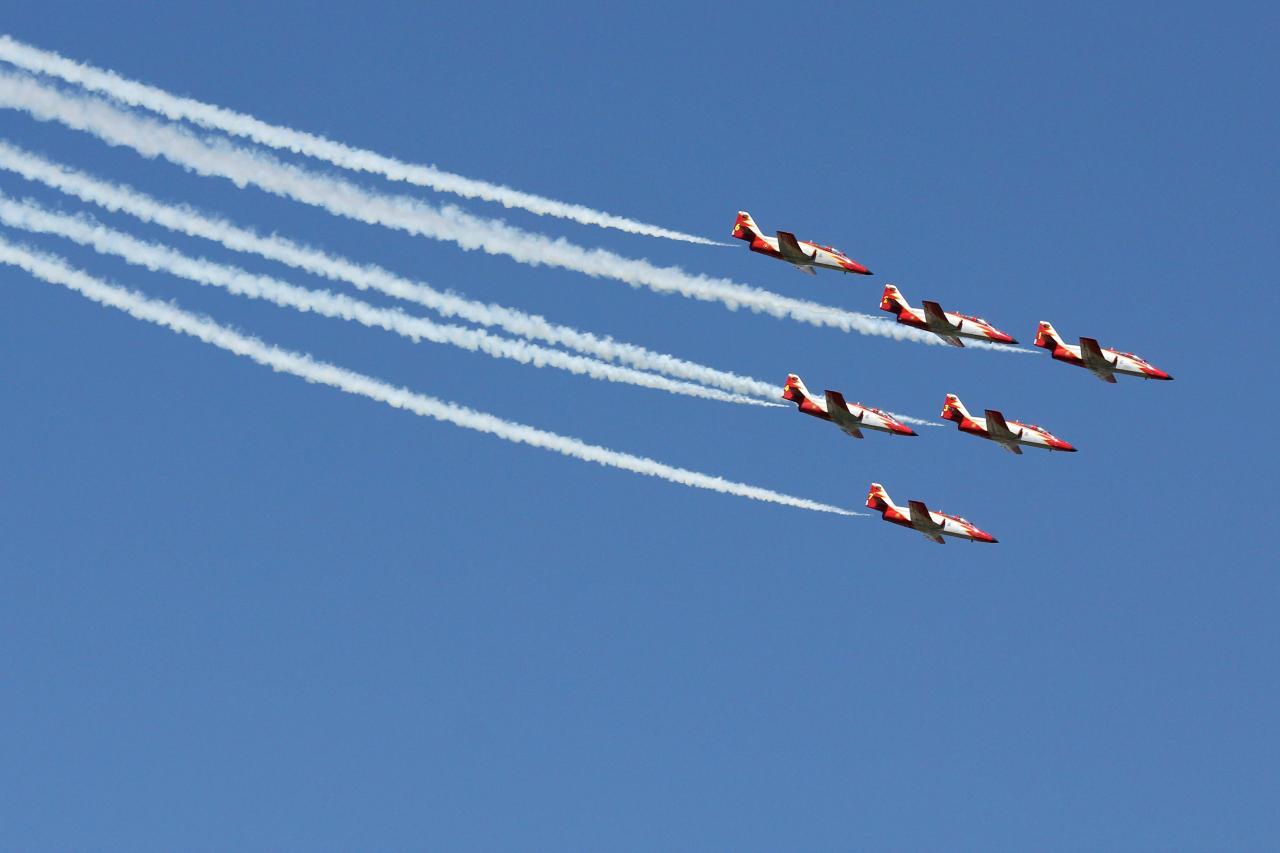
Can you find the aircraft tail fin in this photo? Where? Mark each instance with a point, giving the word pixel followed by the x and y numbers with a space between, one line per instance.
pixel 892 299
pixel 1047 336
pixel 794 390
pixel 744 228
pixel 954 410
pixel 878 499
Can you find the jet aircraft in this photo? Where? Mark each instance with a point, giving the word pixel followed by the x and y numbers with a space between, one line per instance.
pixel 949 326
pixel 805 257
pixel 931 524
pixel 850 417
pixel 1008 434
pixel 1105 363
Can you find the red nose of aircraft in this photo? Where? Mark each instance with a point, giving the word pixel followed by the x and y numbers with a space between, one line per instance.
pixel 1059 444
pixel 899 429
pixel 1156 373
pixel 1001 338
pixel 854 266
pixel 980 536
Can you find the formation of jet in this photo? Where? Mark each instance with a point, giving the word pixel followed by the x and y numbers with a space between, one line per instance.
pixel 853 418
pixel 952 327
pixel 1008 434
pixel 803 256
pixel 1105 363
pixel 949 326
pixel 931 524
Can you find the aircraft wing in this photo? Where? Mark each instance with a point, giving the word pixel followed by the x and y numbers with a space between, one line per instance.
pixel 921 520
pixel 839 412
pixel 938 322
pixel 936 317
pixel 1093 358
pixel 789 247
pixel 998 429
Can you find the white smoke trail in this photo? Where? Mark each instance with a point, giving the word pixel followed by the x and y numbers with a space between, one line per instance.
pixel 183 219
pixel 156 257
pixel 238 124
pixel 907 419
pixel 243 167
pixel 53 270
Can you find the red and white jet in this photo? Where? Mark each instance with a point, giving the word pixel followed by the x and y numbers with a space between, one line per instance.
pixel 915 515
pixel 853 418
pixel 1105 363
pixel 1008 434
pixel 785 247
pixel 949 326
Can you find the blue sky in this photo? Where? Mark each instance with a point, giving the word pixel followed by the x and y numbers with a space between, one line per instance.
pixel 243 611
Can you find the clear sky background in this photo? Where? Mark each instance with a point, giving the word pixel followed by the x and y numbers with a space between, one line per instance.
pixel 238 610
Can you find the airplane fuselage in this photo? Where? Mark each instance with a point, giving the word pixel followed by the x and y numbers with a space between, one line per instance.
pixel 928 523
pixel 956 325
pixel 1126 363
pixel 868 418
pixel 1105 363
pixel 856 417
pixel 803 255
pixel 948 525
pixel 824 257
pixel 948 325
pixel 1027 435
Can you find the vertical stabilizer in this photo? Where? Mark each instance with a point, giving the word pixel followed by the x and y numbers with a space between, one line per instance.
pixel 744 228
pixel 878 498
pixel 954 410
pixel 794 390
pixel 1047 336
pixel 892 300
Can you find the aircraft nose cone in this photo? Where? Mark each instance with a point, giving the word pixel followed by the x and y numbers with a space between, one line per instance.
pixel 903 430
pixel 1059 444
pixel 1160 374
pixel 980 536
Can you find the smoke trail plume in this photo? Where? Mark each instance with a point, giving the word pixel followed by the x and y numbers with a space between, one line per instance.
pixel 156 257
pixel 53 270
pixel 183 219
pixel 178 108
pixel 243 167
